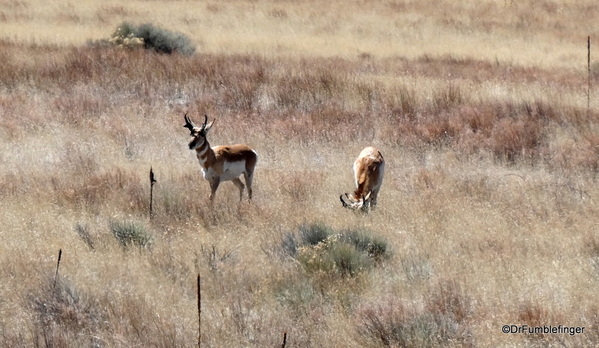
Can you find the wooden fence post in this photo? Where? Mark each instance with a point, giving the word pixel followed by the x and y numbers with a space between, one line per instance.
pixel 57 266
pixel 152 181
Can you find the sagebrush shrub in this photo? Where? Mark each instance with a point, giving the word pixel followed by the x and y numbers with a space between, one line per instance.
pixel 322 249
pixel 364 241
pixel 152 37
pixel 313 234
pixel 131 233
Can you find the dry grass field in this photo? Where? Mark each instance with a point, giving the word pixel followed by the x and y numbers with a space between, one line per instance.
pixel 488 216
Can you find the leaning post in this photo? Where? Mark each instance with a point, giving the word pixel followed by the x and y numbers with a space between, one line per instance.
pixel 152 182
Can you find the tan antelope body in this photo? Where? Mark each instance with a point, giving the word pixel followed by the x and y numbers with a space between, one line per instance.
pixel 222 163
pixel 369 169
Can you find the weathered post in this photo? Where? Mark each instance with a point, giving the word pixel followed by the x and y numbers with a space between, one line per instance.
pixel 152 181
pixel 57 266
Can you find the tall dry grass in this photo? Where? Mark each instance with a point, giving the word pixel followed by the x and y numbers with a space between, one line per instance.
pixel 544 33
pixel 487 210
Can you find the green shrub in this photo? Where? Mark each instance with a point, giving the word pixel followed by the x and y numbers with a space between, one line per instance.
pixel 131 233
pixel 313 234
pixel 321 249
pixel 317 257
pixel 349 261
pixel 365 242
pixel 151 37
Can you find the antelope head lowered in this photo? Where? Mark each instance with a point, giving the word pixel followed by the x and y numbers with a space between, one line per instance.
pixel 222 163
pixel 369 169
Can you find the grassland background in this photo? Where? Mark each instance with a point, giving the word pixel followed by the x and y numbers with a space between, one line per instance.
pixel 489 204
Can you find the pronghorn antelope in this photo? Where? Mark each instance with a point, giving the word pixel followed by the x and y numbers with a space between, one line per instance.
pixel 369 169
pixel 222 163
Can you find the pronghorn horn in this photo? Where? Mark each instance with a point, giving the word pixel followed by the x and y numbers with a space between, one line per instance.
pixel 188 124
pixel 204 124
pixel 345 205
pixel 348 202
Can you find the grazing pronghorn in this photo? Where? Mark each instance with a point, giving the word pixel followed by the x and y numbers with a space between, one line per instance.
pixel 222 163
pixel 369 169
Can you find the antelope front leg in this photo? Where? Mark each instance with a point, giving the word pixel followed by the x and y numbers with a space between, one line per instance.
pixel 213 186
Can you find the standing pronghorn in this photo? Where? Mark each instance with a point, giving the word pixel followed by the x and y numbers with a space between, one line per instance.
pixel 369 169
pixel 222 163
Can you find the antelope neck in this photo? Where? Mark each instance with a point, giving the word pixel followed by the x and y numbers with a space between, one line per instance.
pixel 205 154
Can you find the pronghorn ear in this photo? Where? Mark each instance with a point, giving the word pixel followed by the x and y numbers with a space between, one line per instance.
pixel 208 126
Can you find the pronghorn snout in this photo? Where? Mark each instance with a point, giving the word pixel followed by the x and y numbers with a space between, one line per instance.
pixel 351 202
